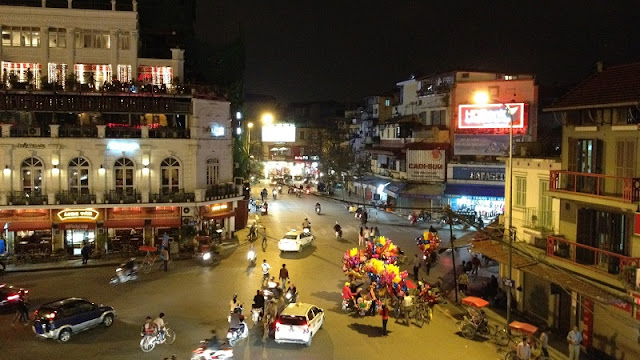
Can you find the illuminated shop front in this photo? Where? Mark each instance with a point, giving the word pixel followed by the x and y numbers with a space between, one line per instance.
pixel 155 75
pixel 291 168
pixel 77 227
pixel 93 74
pixel 20 71
pixel 217 219
pixel 58 73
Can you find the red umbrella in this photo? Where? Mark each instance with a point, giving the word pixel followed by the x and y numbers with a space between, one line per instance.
pixel 410 284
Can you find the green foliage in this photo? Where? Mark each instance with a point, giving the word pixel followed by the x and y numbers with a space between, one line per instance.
pixel 187 233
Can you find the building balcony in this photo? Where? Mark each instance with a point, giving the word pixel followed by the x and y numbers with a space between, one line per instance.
pixel 26 198
pixel 74 197
pixel 593 258
pixel 221 191
pixel 538 219
pixel 78 131
pixel 173 197
pixel 169 133
pixel 130 196
pixel 123 132
pixel 26 131
pixel 612 188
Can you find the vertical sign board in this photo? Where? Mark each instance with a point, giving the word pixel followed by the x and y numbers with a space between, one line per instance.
pixel 426 165
pixel 636 224
pixel 587 320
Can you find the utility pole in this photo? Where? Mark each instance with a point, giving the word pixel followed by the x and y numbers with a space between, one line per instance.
pixel 453 255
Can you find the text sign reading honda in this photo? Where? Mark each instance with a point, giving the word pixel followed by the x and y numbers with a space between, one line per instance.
pixel 426 165
pixel 491 116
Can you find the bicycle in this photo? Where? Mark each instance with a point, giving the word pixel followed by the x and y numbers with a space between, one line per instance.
pixel 149 342
pixel 150 259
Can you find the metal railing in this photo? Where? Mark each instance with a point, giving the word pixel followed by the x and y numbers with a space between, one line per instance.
pixel 122 132
pixel 124 196
pixel 594 258
pixel 597 185
pixel 78 131
pixel 178 196
pixel 538 219
pixel 74 197
pixel 169 133
pixel 27 198
pixel 221 191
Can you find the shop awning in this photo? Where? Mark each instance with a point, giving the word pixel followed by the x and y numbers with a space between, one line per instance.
pixel 422 191
pixel 166 222
pixel 219 215
pixel 475 190
pixel 29 225
pixel 77 226
pixel 124 223
pixel 394 189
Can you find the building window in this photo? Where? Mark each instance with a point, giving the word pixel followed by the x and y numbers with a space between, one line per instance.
pixel 387 102
pixel 124 40
pixel 438 117
pixel 20 36
pixel 301 135
pixel 465 75
pixel 31 171
pixel 58 73
pixel 79 175
pixel 92 39
pixel 124 73
pixel 155 75
pixel 213 171
pixel 123 170
pixel 93 75
pixel 170 169
pixel 521 191
pixel 57 38
pixel 21 72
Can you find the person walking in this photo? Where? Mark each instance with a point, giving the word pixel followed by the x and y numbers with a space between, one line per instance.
pixel 428 263
pixel 523 351
pixel 544 341
pixel 416 266
pixel 284 276
pixel 361 236
pixel 475 265
pixel 85 251
pixel 265 271
pixel 3 253
pixel 22 313
pixel 376 232
pixel 384 312
pixel 364 217
pixel 574 338
pixel 164 255
pixel 463 282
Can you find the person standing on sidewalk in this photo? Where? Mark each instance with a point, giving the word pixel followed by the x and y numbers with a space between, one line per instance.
pixel 574 338
pixel 544 341
pixel 416 266
pixel 384 312
pixel 475 265
pixel 3 253
pixel 85 251
pixel 463 282
pixel 284 275
pixel 428 263
pixel 165 258
pixel 361 236
pixel 523 351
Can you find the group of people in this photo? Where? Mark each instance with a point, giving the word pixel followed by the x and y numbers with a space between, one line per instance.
pixel 367 234
pixel 155 326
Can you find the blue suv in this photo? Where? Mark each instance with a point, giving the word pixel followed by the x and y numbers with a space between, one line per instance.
pixel 60 319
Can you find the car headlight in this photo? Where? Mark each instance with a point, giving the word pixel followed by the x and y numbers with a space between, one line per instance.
pixel 206 256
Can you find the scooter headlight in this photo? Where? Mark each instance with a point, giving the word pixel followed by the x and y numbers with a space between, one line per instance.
pixel 229 335
pixel 206 256
pixel 251 255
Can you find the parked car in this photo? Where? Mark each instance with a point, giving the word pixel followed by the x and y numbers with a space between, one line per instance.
pixel 60 319
pixel 295 241
pixel 298 323
pixel 11 296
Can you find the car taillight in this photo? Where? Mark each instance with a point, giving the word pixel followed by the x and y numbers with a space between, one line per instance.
pixel 198 350
pixel 13 297
pixel 278 324
pixel 51 316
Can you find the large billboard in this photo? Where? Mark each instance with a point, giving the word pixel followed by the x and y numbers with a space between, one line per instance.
pixel 426 165
pixel 491 116
pixel 490 145
pixel 279 133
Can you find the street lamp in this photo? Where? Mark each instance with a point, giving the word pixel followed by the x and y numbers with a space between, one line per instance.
pixel 267 119
pixel 483 98
pixel 249 127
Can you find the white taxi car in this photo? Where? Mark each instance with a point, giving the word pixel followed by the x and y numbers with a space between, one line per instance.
pixel 298 323
pixel 295 241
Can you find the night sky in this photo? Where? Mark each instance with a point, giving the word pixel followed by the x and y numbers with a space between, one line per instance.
pixel 345 50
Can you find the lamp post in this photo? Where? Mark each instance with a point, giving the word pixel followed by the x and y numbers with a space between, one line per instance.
pixel 483 98
pixel 249 127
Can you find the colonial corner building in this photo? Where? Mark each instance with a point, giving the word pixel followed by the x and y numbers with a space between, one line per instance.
pixel 97 142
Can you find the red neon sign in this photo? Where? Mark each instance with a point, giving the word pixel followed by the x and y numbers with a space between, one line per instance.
pixel 491 116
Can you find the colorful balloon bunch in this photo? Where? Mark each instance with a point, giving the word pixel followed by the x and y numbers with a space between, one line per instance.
pixel 383 249
pixel 428 242
pixel 386 276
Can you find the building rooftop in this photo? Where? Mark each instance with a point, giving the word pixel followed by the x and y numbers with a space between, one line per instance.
pixel 617 85
pixel 121 5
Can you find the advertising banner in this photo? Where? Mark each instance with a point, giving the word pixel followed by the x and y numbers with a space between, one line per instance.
pixel 491 116
pixel 495 145
pixel 426 165
pixel 279 133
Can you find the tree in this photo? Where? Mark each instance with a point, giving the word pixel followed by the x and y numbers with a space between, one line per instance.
pixel 337 156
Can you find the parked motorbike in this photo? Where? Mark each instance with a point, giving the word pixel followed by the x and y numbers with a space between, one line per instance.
pixel 204 352
pixel 125 273
pixel 235 335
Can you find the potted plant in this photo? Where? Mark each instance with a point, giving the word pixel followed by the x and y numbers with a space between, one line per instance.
pixel 13 80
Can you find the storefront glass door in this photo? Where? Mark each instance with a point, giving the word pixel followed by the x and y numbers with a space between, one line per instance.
pixel 74 240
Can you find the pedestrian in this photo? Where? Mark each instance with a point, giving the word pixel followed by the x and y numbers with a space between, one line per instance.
pixel 463 267
pixel 416 266
pixel 361 236
pixel 365 234
pixel 284 275
pixel 265 271
pixel 475 265
pixel 463 282
pixel 349 192
pixel 3 253
pixel 544 341
pixel 364 217
pixel 85 251
pixel 376 232
pixel 468 267
pixel 164 255
pixel 523 351
pixel 384 312
pixel 22 313
pixel 574 338
pixel 428 263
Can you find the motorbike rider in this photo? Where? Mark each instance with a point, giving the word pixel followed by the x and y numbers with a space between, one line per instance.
pixel 234 304
pixel 130 267
pixel 149 327
pixel 275 193
pixel 263 193
pixel 337 228
pixel 214 344
pixel 258 300
pixel 252 254
pixel 236 320
pixel 306 224
pixel 160 325
pixel 292 290
pixel 318 207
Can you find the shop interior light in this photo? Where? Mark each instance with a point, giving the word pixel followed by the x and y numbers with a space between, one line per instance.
pixel 102 170
pixel 6 170
pixel 55 170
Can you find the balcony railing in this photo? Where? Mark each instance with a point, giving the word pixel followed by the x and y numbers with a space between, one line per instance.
pixel 74 197
pixel 538 219
pixel 169 133
pixel 20 131
pixel 178 196
pixel 123 132
pixel 221 191
pixel 124 196
pixel 597 259
pixel 619 188
pixel 79 131
pixel 27 198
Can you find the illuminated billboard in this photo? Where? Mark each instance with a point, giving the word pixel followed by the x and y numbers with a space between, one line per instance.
pixel 491 116
pixel 279 133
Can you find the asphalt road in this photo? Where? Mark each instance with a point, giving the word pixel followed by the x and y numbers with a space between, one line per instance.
pixel 196 299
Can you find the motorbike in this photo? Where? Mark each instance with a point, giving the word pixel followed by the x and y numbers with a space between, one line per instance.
pixel 208 257
pixel 308 190
pixel 279 189
pixel 291 297
pixel 149 342
pixel 235 335
pixel 338 234
pixel 275 194
pixel 251 256
pixel 317 210
pixel 349 306
pixel 256 314
pixel 204 352
pixel 124 275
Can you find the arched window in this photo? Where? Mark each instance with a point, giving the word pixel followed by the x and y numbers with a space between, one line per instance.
pixel 31 170
pixel 170 169
pixel 79 175
pixel 124 171
pixel 213 171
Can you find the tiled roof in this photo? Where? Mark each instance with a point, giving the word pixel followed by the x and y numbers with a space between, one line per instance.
pixel 614 85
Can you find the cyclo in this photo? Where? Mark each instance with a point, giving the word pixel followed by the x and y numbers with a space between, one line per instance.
pixel 476 322
pixel 529 331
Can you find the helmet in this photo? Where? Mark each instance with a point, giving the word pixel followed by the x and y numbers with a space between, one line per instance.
pixel 347 284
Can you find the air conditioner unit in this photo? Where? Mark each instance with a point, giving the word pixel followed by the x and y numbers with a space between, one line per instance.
pixel 34 131
pixel 188 211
